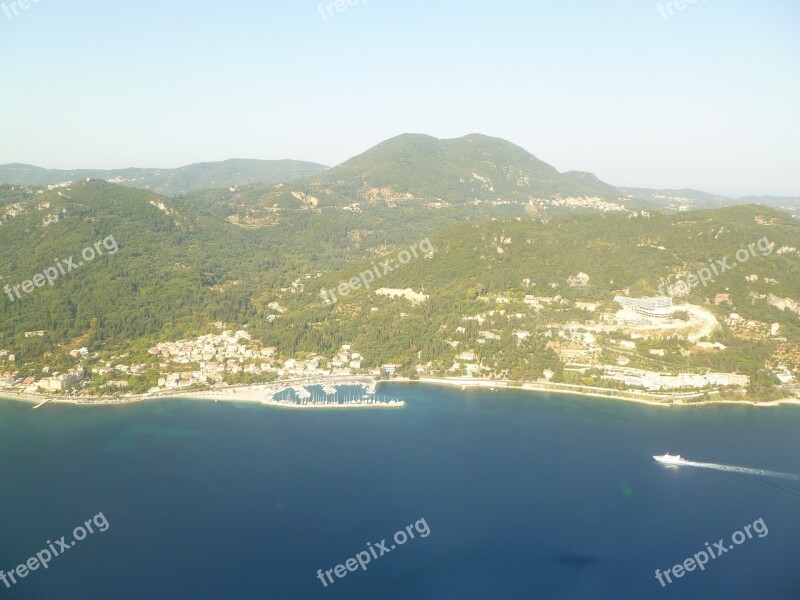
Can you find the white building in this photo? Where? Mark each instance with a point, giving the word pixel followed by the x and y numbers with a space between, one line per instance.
pixel 655 307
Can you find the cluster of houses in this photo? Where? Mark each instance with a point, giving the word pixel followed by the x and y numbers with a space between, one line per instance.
pixel 578 347
pixel 593 202
pixel 7 378
pixel 206 360
pixel 56 382
pixel 652 381
pixel 754 330
pixel 468 362
pixel 215 355
pixel 231 353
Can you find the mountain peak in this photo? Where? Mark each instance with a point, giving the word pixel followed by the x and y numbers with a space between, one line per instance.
pixel 474 167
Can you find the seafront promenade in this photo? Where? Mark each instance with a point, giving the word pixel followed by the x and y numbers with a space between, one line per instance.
pixel 265 393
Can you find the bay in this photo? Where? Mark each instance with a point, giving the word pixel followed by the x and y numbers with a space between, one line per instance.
pixel 526 495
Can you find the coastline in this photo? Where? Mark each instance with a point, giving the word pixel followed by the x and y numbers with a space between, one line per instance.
pixel 665 400
pixel 261 393
pixel 535 387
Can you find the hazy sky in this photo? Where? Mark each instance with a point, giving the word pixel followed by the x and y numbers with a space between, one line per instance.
pixel 708 97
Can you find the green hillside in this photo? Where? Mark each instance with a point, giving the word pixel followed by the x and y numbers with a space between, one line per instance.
pixel 185 263
pixel 190 178
pixel 621 254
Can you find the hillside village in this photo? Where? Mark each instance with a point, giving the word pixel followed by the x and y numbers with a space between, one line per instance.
pixel 633 347
pixel 208 360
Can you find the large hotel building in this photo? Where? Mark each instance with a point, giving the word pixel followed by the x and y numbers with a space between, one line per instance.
pixel 656 307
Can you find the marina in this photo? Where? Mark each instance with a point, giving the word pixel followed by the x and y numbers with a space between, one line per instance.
pixel 346 393
pixel 330 396
pixel 323 403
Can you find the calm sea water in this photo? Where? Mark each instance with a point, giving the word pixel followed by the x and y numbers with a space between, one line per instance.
pixel 526 496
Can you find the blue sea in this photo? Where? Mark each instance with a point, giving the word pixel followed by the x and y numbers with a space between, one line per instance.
pixel 523 495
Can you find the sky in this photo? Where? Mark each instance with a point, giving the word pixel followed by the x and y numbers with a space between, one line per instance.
pixel 640 93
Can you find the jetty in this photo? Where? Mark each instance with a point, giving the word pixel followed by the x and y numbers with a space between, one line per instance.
pixel 366 402
pixel 301 392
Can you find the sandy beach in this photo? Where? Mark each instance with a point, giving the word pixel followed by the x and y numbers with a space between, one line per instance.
pixel 665 400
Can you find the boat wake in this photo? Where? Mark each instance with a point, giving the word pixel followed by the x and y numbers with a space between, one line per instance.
pixel 743 470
